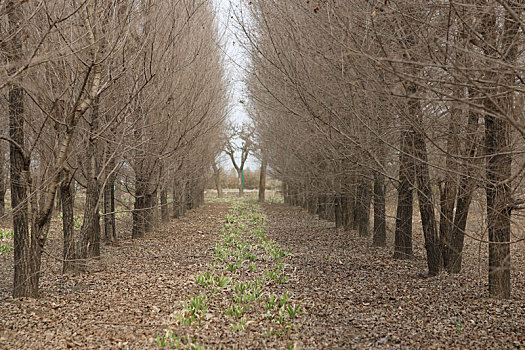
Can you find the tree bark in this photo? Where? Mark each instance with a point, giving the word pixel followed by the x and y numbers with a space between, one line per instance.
pixel 262 179
pixel 110 232
pixel 452 254
pixel 379 239
pixel 68 227
pixel 217 179
pixel 403 232
pixel 498 205
pixel 3 174
pixel 90 230
pixel 426 205
pixel 26 250
pixel 164 205
pixel 363 208
pixel 139 228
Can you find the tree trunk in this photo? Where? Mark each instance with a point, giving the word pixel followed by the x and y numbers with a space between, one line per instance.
pixel 26 250
pixel 403 232
pixel 110 232
pixel 452 257
pixel 363 208
pixel 338 211
pixel 139 228
pixel 498 205
pixel 426 205
pixel 90 230
pixel 164 205
pixel 262 179
pixel 150 211
pixel 449 188
pixel 3 174
pixel 176 200
pixel 217 179
pixel 241 182
pixel 379 239
pixel 68 227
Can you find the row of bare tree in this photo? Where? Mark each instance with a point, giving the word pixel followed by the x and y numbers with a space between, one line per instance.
pixel 95 91
pixel 349 96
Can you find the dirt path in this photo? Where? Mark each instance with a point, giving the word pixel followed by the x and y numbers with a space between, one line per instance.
pixel 351 295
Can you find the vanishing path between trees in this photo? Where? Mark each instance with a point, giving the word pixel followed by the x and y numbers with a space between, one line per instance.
pixel 347 294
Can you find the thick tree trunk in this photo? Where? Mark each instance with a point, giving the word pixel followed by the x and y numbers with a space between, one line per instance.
pixel 498 205
pixel 150 211
pixel 403 232
pixel 90 231
pixel 262 179
pixel 26 265
pixel 68 227
pixel 27 251
pixel 379 239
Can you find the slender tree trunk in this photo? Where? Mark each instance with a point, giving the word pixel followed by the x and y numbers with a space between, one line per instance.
pixel 164 205
pixel 110 232
pixel 448 190
pixel 176 200
pixel 68 227
pixel 241 182
pixel 139 228
pixel 363 208
pixel 217 179
pixel 452 258
pixel 3 174
pixel 379 239
pixel 426 206
pixel 262 179
pixel 403 232
pixel 323 198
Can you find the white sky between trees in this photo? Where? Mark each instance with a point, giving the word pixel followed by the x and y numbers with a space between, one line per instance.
pixel 235 62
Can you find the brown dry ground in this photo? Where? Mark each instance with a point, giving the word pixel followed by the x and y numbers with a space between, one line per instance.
pixel 353 295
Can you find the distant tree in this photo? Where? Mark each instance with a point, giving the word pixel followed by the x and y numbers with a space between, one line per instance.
pixel 242 134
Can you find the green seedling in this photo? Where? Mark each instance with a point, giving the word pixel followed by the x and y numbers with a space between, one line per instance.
pixel 236 311
pixel 204 279
pixel 293 310
pixel 284 299
pixel 459 327
pixel 270 303
pixel 222 281
pixel 240 326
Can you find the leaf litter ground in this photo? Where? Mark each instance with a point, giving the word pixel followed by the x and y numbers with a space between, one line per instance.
pixel 351 295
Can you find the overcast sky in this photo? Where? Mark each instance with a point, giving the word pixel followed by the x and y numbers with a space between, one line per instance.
pixel 236 63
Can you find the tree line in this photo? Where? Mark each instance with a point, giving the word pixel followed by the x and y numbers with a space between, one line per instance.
pixel 353 98
pixel 98 95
